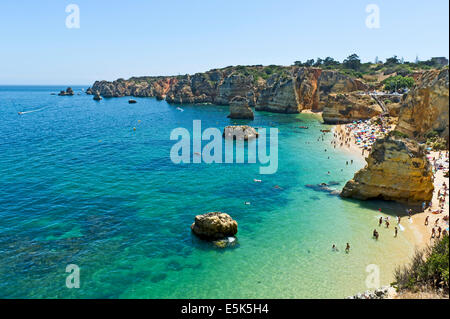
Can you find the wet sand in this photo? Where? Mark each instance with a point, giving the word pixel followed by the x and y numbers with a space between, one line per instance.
pixel 414 229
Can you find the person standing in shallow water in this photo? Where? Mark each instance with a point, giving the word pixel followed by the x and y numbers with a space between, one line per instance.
pixel 375 234
pixel 380 222
pixel 347 248
pixel 396 232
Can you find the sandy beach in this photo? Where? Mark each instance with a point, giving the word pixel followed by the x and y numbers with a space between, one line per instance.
pixel 419 234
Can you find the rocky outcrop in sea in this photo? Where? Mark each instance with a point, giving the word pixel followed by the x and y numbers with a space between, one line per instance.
pixel 214 226
pixel 67 92
pixel 240 132
pixel 239 109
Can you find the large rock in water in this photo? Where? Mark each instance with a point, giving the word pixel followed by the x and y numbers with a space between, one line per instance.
pixel 67 92
pixel 239 109
pixel 213 226
pixel 349 107
pixel 97 96
pixel 239 132
pixel 426 107
pixel 397 169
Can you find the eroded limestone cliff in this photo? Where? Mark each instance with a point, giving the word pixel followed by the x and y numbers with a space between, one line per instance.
pixel 397 169
pixel 271 88
pixel 348 107
pixel 426 108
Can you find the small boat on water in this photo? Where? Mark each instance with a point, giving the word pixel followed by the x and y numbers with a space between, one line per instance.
pixel 325 131
pixel 131 101
pixel 304 127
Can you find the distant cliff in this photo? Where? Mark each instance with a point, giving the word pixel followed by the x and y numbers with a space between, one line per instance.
pixel 269 88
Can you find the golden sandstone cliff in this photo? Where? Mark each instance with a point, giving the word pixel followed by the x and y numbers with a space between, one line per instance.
pixel 426 107
pixel 397 167
pixel 271 88
pixel 349 107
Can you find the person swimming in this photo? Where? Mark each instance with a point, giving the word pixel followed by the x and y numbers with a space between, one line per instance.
pixel 334 248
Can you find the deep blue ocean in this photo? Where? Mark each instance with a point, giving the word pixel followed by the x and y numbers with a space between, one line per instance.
pixel 78 185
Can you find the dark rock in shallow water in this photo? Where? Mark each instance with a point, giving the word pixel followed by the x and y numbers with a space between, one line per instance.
pixel 67 92
pixel 229 242
pixel 333 183
pixel 323 187
pixel 213 226
pixel 158 278
pixel 97 96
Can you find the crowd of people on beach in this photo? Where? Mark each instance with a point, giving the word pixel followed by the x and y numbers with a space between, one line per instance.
pixel 440 164
pixel 362 133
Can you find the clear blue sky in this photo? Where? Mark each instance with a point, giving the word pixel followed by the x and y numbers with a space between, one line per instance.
pixel 149 37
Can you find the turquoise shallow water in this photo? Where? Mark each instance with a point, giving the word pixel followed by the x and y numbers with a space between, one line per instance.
pixel 79 186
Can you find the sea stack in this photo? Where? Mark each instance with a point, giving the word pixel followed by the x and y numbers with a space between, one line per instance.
pixel 239 109
pixel 397 169
pixel 239 132
pixel 97 96
pixel 67 92
pixel 214 226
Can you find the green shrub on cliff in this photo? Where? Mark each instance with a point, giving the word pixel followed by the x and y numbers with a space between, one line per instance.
pixel 398 82
pixel 399 134
pixel 429 269
pixel 436 142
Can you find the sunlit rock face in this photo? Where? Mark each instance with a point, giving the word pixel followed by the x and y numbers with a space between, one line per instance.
pixel 426 107
pixel 397 169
